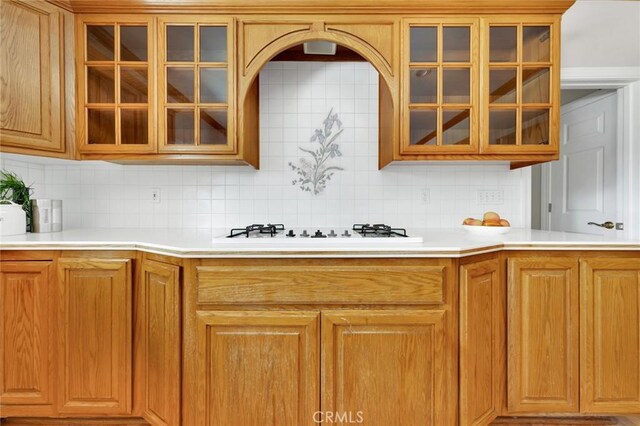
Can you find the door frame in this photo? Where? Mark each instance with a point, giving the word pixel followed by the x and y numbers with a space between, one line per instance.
pixel 626 82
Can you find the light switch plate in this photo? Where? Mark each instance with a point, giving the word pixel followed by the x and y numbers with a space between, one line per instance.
pixel 490 197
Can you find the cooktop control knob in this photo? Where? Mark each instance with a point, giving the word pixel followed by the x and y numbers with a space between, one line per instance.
pixel 346 234
pixel 319 234
pixel 332 234
pixel 304 233
pixel 291 233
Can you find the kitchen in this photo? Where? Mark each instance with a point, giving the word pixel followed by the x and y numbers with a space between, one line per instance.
pixel 166 127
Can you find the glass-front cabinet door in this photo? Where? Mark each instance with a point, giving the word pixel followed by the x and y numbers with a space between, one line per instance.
pixel 116 71
pixel 195 85
pixel 440 89
pixel 521 91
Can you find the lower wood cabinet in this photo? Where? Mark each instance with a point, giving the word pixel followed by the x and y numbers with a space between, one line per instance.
pixel 543 335
pixel 257 367
pixel 27 338
pixel 482 341
pixel 160 289
pixel 610 335
pixel 385 367
pixel 574 334
pixel 95 326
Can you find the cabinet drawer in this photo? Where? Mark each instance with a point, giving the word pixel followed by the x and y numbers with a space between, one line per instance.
pixel 321 284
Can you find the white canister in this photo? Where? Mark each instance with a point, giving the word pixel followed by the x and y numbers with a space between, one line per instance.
pixel 46 216
pixel 13 220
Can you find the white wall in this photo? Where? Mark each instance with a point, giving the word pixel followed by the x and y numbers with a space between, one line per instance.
pixel 295 99
pixel 599 33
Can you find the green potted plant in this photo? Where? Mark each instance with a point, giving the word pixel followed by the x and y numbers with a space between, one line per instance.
pixel 13 188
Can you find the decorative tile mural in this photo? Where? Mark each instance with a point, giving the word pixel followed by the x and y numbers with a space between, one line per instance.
pixel 313 175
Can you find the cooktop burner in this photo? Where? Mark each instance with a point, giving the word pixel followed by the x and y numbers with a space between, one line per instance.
pixel 379 230
pixel 256 229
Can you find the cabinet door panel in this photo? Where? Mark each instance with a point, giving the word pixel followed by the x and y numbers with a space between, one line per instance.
pixel 26 336
pixel 31 101
pixel 161 289
pixel 95 341
pixel 482 329
pixel 610 331
pixel 543 335
pixel 368 370
pixel 257 367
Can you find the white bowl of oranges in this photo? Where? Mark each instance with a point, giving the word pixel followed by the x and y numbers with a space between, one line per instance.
pixel 491 224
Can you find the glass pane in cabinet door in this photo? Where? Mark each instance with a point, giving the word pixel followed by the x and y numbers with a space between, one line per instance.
pixel 134 126
pixel 100 85
pixel 101 127
pixel 456 44
pixel 536 44
pixel 133 43
pixel 456 86
pixel 423 86
pixel 180 43
pixel 423 127
pixel 456 127
pixel 100 42
pixel 213 85
pixel 503 44
pixel 502 127
pixel 535 127
pixel 180 85
pixel 213 127
pixel 133 85
pixel 213 44
pixel 503 86
pixel 535 85
pixel 180 127
pixel 424 44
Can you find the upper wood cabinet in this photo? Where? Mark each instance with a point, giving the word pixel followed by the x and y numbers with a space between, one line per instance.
pixel 440 86
pixel 31 78
pixel 521 97
pixel 196 85
pixel 481 89
pixel 116 79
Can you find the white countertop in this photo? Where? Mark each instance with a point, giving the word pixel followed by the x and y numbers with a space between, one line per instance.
pixel 200 243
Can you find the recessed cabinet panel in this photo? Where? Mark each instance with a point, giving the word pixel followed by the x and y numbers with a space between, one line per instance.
pixel 503 85
pixel 536 43
pixel 180 85
pixel 424 44
pixel 456 44
pixel 503 44
pixel 100 42
pixel 213 85
pixel 502 127
pixel 213 127
pixel 180 124
pixel 133 43
pixel 456 127
pixel 424 125
pixel 101 126
pixel 118 94
pixel 535 127
pixel 424 86
pixel 213 44
pixel 535 85
pixel 180 43
pixel 456 86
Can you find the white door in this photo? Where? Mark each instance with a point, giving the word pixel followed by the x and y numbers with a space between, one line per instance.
pixel 582 183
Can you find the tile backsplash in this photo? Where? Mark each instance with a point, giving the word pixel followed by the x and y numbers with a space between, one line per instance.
pixel 295 99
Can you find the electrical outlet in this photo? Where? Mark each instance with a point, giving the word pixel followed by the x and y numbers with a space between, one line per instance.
pixel 490 197
pixel 425 196
pixel 155 195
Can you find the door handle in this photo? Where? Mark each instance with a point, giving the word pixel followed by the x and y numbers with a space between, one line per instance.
pixel 607 224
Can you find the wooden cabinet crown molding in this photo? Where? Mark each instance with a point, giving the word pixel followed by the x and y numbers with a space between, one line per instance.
pixel 334 6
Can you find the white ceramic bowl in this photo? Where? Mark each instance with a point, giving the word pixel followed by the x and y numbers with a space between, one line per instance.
pixel 486 230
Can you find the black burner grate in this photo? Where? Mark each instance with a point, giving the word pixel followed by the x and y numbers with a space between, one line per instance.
pixel 269 229
pixel 379 230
